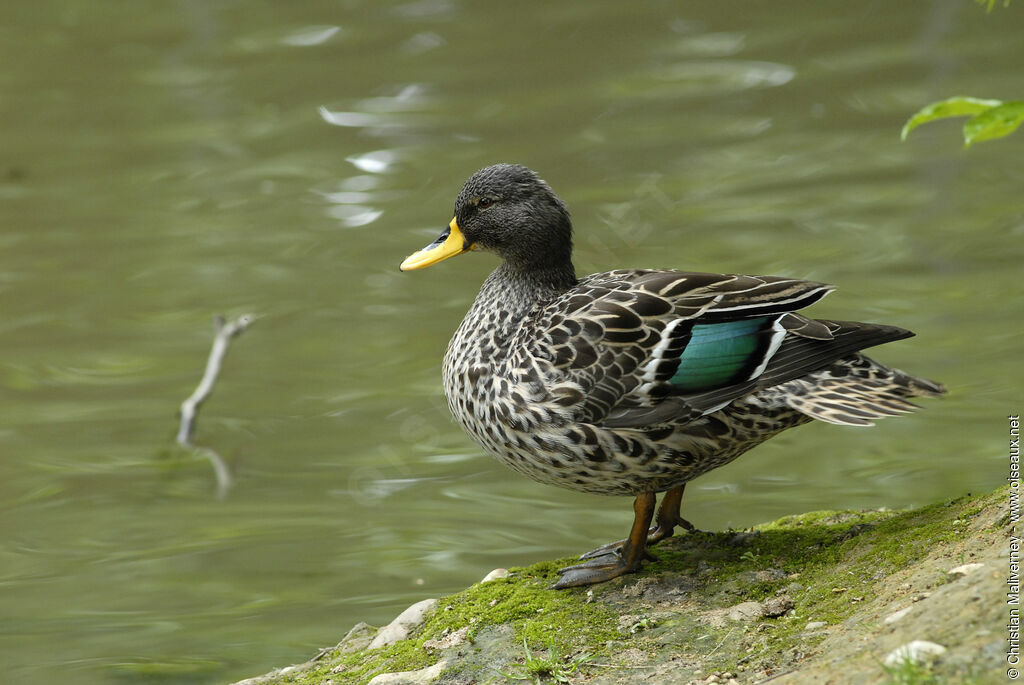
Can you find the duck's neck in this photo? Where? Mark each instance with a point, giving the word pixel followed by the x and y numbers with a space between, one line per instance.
pixel 513 291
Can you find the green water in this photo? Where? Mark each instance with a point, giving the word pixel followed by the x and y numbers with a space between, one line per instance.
pixel 164 162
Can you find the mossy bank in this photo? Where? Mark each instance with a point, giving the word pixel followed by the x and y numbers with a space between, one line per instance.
pixel 824 597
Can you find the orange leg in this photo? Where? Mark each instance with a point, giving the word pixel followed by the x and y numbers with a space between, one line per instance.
pixel 667 519
pixel 669 516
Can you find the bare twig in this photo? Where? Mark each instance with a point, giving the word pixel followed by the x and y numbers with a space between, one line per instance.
pixel 223 333
pixel 712 652
pixel 776 676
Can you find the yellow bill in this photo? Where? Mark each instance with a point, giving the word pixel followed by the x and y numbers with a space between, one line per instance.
pixel 448 244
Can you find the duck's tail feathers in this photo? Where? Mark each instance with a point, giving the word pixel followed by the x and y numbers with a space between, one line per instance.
pixel 855 391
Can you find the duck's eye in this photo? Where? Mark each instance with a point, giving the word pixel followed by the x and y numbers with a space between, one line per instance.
pixel 484 202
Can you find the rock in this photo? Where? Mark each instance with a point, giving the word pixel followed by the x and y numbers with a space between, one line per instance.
pixel 627 622
pixel 745 611
pixel 964 569
pixel 399 628
pixel 420 677
pixel 751 611
pixel 769 575
pixel 776 606
pixel 495 575
pixel 855 530
pixel 815 625
pixel 743 538
pixel 915 651
pixel 897 615
pixel 274 676
pixel 449 640
pixel 359 637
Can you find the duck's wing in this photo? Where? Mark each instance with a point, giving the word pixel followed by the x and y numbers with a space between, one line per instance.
pixel 643 348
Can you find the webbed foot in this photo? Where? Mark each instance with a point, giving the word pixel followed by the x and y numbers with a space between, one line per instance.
pixel 627 558
pixel 596 570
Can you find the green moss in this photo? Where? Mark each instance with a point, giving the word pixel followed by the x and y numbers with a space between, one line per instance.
pixel 544 618
pixel 526 603
pixel 360 666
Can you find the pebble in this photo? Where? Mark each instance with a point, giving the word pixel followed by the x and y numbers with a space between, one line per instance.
pixel 915 651
pixel 399 628
pixel 743 537
pixel 897 615
pixel 359 637
pixel 751 611
pixel 745 611
pixel 776 606
pixel 495 575
pixel 420 677
pixel 449 640
pixel 964 569
pixel 768 575
pixel 815 625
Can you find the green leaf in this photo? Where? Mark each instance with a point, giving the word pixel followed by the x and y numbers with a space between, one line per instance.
pixel 995 122
pixel 953 107
pixel 991 4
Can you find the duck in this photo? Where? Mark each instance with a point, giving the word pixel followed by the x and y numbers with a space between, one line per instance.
pixel 636 381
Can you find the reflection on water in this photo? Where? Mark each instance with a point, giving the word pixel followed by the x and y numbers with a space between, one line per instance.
pixel 311 35
pixel 164 165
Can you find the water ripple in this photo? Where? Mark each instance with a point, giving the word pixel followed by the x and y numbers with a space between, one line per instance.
pixel 311 35
pixel 354 216
pixel 704 78
pixel 376 162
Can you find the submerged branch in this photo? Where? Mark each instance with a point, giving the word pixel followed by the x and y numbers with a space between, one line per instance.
pixel 223 333
pixel 189 413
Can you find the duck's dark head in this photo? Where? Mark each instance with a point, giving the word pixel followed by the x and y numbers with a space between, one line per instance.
pixel 505 209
